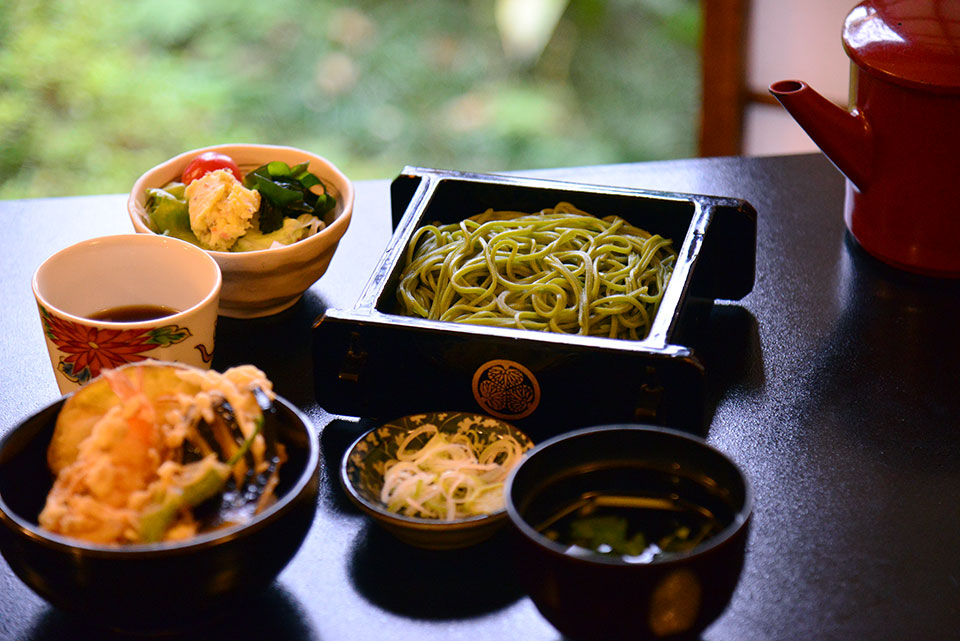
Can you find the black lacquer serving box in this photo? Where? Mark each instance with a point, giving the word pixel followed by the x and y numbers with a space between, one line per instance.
pixel 372 362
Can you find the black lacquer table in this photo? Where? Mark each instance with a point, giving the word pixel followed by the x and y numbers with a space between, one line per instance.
pixel 834 384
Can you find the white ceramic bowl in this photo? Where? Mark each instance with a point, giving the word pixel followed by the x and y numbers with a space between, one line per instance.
pixel 268 281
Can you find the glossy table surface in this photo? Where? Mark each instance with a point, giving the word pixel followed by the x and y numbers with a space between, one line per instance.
pixel 834 384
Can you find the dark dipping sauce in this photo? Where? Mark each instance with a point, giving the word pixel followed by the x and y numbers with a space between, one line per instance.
pixel 132 313
pixel 634 513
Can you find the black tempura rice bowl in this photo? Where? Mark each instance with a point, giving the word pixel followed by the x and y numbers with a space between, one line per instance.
pixel 596 597
pixel 160 586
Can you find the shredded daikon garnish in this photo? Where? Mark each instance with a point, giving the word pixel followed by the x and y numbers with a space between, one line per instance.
pixel 451 476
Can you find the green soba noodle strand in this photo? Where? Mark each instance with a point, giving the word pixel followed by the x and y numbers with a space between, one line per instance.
pixel 559 270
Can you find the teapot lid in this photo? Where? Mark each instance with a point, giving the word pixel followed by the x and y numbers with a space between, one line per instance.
pixel 910 42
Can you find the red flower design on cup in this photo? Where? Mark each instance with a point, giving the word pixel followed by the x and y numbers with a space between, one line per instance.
pixel 89 350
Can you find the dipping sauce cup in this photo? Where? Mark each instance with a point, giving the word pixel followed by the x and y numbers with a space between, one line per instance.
pixel 121 299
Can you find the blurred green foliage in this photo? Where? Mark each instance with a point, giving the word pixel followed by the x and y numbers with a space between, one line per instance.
pixel 94 92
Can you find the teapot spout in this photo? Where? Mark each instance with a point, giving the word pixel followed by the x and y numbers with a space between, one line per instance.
pixel 844 137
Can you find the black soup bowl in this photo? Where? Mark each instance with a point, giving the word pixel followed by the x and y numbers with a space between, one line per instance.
pixel 629 531
pixel 159 586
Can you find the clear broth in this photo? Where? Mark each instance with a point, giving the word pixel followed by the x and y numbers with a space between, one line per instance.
pixel 637 528
pixel 133 313
pixel 640 515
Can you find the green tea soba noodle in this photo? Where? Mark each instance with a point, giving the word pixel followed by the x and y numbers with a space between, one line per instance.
pixel 560 270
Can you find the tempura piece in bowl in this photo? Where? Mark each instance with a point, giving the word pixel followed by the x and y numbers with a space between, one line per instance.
pixel 221 209
pixel 160 451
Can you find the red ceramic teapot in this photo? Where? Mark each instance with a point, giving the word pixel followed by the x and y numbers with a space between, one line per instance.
pixel 899 143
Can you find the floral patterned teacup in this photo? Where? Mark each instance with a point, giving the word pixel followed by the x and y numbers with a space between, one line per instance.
pixel 121 299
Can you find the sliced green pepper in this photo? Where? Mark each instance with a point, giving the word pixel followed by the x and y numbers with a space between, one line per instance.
pixel 157 517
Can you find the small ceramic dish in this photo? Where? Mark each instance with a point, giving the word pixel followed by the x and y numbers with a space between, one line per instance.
pixel 152 587
pixel 267 281
pixel 362 476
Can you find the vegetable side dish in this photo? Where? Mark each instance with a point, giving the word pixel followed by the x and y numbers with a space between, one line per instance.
pixel 448 476
pixel 157 452
pixel 559 270
pixel 218 207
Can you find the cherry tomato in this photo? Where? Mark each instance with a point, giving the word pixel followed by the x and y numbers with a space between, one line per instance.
pixel 207 162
